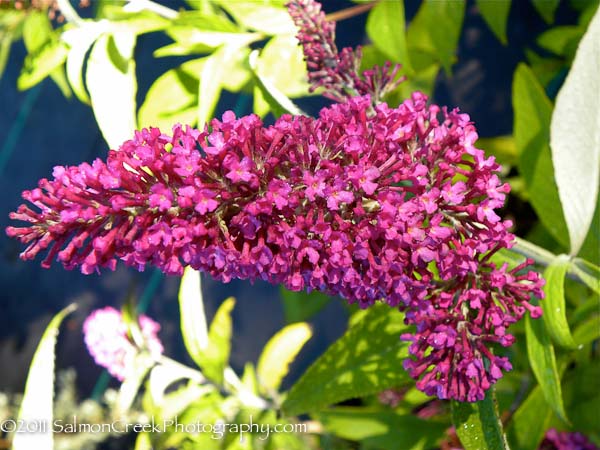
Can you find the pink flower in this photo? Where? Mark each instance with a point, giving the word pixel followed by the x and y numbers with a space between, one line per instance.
pixel 293 204
pixel 105 335
pixel 564 440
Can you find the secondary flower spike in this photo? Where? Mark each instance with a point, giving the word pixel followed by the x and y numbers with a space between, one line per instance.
pixel 396 205
pixel 338 73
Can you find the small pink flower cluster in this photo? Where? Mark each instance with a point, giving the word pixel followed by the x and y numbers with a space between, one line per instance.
pixel 396 205
pixel 105 335
pixel 564 440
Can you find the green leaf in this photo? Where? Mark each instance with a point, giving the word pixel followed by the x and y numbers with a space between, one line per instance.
pixel 554 306
pixel 495 13
pixel 278 102
pixel 365 360
pixel 164 375
pixel 478 424
pixel 205 21
pixel 37 403
pixel 434 33
pixel 215 357
pixel 591 246
pixel 279 353
pixel 561 40
pixel 137 22
pixel 583 405
pixel 531 130
pixel 214 71
pixel 268 19
pixel 5 44
pixel 588 331
pixel 543 363
pixel 143 442
pixel 191 40
pixel 111 81
pixel 502 147
pixel 41 63
pixel 192 317
pixel 530 422
pixel 546 9
pixel 385 27
pixel 504 255
pixel 381 429
pixel 132 384
pixel 37 33
pixel 589 273
pixel 37 30
pixel 301 306
pixel 281 62
pixel 80 40
pixel 173 97
pixel 575 141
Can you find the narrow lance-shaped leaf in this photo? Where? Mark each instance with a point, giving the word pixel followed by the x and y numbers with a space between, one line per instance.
pixel 80 40
pixel 112 84
pixel 543 363
pixel 554 305
pixel 280 352
pixel 533 112
pixel 132 384
pixel 214 359
pixel 37 404
pixel 192 317
pixel 575 137
pixel 478 424
pixel 530 421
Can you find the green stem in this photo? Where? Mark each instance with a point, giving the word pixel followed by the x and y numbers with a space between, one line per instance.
pixel 544 257
pixel 540 255
pixel 350 12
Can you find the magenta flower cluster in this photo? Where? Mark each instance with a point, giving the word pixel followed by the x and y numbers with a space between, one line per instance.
pixel 396 205
pixel 105 335
pixel 338 73
pixel 564 440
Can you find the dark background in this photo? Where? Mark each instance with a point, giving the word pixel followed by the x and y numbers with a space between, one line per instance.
pixel 40 129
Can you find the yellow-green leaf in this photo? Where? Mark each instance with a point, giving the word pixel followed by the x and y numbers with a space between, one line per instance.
pixel 478 424
pixel 554 305
pixel 192 317
pixel 543 363
pixel 111 81
pixel 280 352
pixel 37 403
